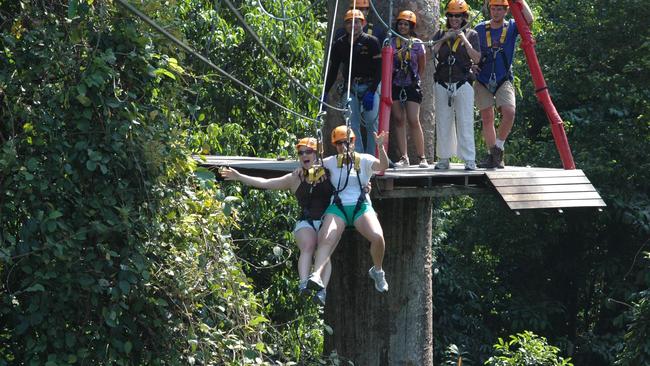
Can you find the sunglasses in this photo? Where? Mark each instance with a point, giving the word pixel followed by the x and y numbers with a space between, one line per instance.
pixel 454 15
pixel 305 152
pixel 341 142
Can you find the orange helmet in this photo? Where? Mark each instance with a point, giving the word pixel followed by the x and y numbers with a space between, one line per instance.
pixel 309 142
pixel 499 3
pixel 408 16
pixel 341 133
pixel 354 13
pixel 458 6
pixel 360 4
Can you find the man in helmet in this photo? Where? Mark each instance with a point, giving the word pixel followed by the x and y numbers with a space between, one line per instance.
pixel 494 80
pixel 350 172
pixel 365 77
pixel 373 30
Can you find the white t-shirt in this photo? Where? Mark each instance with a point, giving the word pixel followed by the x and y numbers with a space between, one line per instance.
pixel 352 191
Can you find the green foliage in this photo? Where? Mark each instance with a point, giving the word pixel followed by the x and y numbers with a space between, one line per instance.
pixel 563 276
pixel 526 349
pixel 111 252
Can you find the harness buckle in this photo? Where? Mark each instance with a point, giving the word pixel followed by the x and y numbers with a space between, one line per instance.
pixel 402 95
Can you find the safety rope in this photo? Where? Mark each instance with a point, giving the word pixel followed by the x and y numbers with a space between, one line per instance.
pixel 318 123
pixel 275 60
pixel 284 19
pixel 202 58
pixel 347 95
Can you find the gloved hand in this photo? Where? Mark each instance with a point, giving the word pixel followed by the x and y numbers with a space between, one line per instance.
pixel 368 100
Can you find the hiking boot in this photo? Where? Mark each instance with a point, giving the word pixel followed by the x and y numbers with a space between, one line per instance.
pixel 497 157
pixel 319 297
pixel 487 163
pixel 443 164
pixel 403 162
pixel 423 162
pixel 315 283
pixel 380 279
pixel 470 165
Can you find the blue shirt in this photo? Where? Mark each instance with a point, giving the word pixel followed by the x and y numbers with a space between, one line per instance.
pixel 498 58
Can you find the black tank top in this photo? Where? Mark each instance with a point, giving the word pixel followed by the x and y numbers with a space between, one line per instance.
pixel 313 206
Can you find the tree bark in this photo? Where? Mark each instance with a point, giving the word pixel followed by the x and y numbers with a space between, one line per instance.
pixel 394 328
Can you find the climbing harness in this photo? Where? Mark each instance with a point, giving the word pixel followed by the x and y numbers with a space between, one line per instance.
pixel 404 66
pixel 349 160
pixel 493 84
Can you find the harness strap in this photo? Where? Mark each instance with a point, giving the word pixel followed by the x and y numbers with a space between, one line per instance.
pixel 488 34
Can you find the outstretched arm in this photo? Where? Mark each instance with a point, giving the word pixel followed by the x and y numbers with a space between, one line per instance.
pixel 382 163
pixel 284 182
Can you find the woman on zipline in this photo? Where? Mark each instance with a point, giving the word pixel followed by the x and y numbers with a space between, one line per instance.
pixel 313 195
pixel 408 65
pixel 350 172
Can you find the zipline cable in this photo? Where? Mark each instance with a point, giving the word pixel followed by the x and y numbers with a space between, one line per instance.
pixel 257 39
pixel 284 19
pixel 190 50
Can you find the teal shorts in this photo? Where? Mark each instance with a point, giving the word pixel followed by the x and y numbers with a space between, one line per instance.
pixel 349 211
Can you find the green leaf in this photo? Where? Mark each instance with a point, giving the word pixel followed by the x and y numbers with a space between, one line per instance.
pixel 128 346
pixel 259 319
pixel 72 8
pixel 35 288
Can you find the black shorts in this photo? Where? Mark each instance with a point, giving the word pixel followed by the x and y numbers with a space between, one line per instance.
pixel 413 93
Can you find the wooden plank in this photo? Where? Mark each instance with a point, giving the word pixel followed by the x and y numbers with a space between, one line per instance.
pixel 539 181
pixel 546 189
pixel 439 191
pixel 504 173
pixel 551 196
pixel 523 205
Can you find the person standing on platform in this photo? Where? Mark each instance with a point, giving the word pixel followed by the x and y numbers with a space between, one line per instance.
pixel 497 38
pixel 409 61
pixel 454 102
pixel 370 28
pixel 365 77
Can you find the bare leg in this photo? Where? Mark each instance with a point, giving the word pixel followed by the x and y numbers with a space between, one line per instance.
pixel 328 238
pixel 306 240
pixel 400 127
pixel 489 133
pixel 368 225
pixel 413 117
pixel 507 120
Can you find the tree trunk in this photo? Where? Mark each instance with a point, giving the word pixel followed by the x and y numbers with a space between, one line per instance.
pixel 394 328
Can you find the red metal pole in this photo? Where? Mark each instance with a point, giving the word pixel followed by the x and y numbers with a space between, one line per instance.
pixel 386 100
pixel 541 90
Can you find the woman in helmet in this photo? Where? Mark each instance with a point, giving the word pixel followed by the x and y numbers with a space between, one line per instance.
pixel 350 172
pixel 409 61
pixel 313 195
pixel 454 102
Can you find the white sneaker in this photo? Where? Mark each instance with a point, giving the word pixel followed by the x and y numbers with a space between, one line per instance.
pixel 315 283
pixel 443 164
pixel 470 165
pixel 423 162
pixel 380 279
pixel 403 162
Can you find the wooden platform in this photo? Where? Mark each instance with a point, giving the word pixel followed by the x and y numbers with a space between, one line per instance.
pixel 520 187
